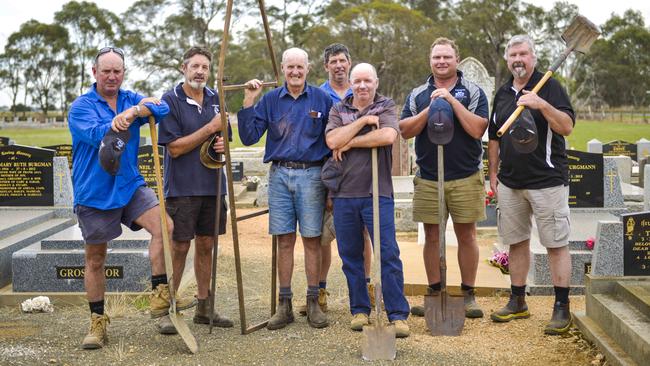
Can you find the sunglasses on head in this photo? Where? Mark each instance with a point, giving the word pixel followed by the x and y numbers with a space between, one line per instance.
pixel 104 50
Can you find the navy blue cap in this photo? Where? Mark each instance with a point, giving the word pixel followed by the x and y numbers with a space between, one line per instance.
pixel 111 148
pixel 523 133
pixel 440 122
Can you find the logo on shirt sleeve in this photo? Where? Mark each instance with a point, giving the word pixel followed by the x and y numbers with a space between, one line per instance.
pixel 216 108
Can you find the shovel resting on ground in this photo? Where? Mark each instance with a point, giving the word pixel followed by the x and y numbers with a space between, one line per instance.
pixel 379 338
pixel 579 36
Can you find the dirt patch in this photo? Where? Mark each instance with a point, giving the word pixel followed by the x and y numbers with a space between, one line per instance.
pixel 55 338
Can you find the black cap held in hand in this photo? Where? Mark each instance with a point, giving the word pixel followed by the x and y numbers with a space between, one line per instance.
pixel 523 133
pixel 440 122
pixel 111 149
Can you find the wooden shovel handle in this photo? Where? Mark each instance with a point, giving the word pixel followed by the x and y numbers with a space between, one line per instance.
pixel 520 109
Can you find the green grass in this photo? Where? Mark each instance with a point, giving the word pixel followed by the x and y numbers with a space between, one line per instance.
pixel 606 131
pixel 56 136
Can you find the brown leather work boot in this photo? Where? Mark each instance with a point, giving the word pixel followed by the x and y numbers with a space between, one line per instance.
pixel 315 316
pixel 322 301
pixel 159 301
pixel 283 315
pixel 472 310
pixel 202 315
pixel 97 336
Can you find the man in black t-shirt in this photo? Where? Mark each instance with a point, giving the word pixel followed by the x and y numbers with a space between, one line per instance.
pixel 532 180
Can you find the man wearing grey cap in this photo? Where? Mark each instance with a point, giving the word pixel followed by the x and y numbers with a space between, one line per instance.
pixel 533 179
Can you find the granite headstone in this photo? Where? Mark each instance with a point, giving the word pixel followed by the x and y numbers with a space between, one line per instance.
pixel 585 179
pixel 619 147
pixel 27 176
pixel 636 244
pixel 4 141
pixel 146 164
pixel 64 150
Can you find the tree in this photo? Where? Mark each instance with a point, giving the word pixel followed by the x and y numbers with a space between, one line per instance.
pixel 11 75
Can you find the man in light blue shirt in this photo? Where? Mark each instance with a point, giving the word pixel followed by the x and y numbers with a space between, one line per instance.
pixel 104 201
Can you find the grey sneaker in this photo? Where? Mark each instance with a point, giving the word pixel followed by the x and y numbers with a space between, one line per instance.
pixel 165 326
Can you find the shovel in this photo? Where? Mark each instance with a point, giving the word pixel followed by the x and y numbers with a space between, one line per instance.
pixel 176 318
pixel 579 36
pixel 215 249
pixel 378 339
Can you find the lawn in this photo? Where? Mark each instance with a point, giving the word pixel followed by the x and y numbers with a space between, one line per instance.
pixel 56 136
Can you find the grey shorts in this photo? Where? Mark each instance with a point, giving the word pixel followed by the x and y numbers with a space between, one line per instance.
pixel 328 232
pixel 549 206
pixel 101 226
pixel 195 215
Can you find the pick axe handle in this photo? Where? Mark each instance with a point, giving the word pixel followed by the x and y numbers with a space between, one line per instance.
pixel 520 109
pixel 215 250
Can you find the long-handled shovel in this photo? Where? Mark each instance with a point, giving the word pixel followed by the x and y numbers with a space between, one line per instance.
pixel 444 314
pixel 579 36
pixel 176 318
pixel 215 249
pixel 378 339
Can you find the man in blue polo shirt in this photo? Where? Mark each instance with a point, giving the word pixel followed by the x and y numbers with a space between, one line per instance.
pixel 294 117
pixel 104 201
pixel 464 181
pixel 190 187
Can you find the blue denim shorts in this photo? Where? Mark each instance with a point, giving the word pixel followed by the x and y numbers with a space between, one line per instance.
pixel 296 196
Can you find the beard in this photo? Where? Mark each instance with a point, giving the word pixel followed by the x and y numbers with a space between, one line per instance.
pixel 518 70
pixel 197 85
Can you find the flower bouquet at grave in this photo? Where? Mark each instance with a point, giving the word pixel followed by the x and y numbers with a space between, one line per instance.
pixel 251 182
pixel 591 241
pixel 490 198
pixel 500 260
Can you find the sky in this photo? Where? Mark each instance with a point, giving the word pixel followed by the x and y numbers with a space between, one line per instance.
pixel 13 13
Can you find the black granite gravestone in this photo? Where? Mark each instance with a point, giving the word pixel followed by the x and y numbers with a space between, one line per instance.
pixel 4 141
pixel 237 171
pixel 64 150
pixel 146 164
pixel 619 147
pixel 585 179
pixel 27 176
pixel 636 244
pixel 485 160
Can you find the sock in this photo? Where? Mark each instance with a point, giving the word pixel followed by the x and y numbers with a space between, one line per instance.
pixel 158 279
pixel 465 287
pixel 285 292
pixel 97 307
pixel 561 294
pixel 367 279
pixel 312 290
pixel 322 284
pixel 435 287
pixel 518 290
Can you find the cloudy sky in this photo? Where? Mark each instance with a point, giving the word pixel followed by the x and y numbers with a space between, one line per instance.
pixel 13 13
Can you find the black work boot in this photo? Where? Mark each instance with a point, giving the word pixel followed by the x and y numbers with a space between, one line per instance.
pixel 515 309
pixel 202 315
pixel 315 316
pixel 283 315
pixel 472 310
pixel 560 320
pixel 418 310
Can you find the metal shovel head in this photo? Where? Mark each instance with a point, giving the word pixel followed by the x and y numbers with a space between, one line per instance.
pixel 580 34
pixel 378 342
pixel 444 314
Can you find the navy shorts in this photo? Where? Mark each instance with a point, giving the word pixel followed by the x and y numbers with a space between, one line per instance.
pixel 195 215
pixel 101 226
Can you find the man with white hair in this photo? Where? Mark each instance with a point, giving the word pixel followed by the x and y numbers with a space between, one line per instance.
pixel 532 179
pixel 293 117
pixel 350 135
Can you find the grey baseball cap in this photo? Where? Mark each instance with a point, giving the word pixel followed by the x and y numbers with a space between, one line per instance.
pixel 523 133
pixel 111 148
pixel 440 122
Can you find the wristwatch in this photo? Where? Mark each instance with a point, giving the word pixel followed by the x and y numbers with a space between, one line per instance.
pixel 137 110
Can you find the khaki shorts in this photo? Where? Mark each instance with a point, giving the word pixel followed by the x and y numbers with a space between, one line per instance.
pixel 464 198
pixel 328 233
pixel 549 206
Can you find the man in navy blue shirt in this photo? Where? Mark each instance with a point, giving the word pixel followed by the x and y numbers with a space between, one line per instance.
pixel 294 117
pixel 464 181
pixel 190 187
pixel 102 201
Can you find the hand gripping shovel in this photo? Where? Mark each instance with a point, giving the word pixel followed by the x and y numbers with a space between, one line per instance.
pixel 176 318
pixel 378 339
pixel 444 314
pixel 579 36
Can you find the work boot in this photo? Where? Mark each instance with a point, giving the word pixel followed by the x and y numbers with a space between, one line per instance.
pixel 418 310
pixel 560 320
pixel 515 309
pixel 202 315
pixel 358 321
pixel 283 315
pixel 97 336
pixel 472 310
pixel 401 328
pixel 315 316
pixel 371 294
pixel 322 301
pixel 159 301
pixel 165 326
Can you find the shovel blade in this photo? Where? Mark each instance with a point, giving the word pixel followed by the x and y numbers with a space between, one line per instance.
pixel 378 342
pixel 580 34
pixel 444 314
pixel 184 331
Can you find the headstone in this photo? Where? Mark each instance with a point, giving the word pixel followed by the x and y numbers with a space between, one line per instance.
pixel 646 188
pixel 485 161
pixel 607 259
pixel 27 176
pixel 594 146
pixel 612 185
pixel 237 171
pixel 619 147
pixel 62 183
pixel 64 150
pixel 623 166
pixel 636 244
pixel 586 188
pixel 4 141
pixel 474 71
pixel 642 163
pixel 146 164
pixel 642 149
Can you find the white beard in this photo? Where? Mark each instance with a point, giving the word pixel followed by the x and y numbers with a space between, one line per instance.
pixel 196 85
